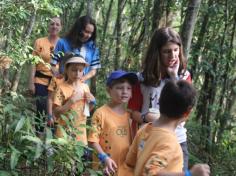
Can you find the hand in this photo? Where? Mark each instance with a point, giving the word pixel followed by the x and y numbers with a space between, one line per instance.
pixel 76 97
pixel 83 79
pixel 173 70
pixel 110 167
pixel 32 88
pixel 50 122
pixel 55 71
pixel 150 117
pixel 200 170
pixel 89 97
pixel 136 115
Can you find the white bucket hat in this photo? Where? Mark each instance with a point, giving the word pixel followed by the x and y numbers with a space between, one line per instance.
pixel 77 59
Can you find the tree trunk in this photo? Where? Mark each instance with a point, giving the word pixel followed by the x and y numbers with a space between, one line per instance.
pixel 120 8
pixel 89 7
pixel 108 14
pixel 16 77
pixel 226 102
pixel 201 38
pixel 189 23
pixel 157 13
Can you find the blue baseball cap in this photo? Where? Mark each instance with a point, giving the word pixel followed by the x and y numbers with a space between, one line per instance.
pixel 131 76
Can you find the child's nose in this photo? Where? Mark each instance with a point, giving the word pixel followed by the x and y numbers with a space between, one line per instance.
pixel 125 90
pixel 172 53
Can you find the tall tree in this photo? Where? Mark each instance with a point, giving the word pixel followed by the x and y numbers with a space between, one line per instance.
pixel 157 13
pixel 189 23
pixel 25 37
pixel 121 4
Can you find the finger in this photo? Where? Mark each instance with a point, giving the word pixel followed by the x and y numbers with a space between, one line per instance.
pixel 111 168
pixel 114 164
pixel 107 171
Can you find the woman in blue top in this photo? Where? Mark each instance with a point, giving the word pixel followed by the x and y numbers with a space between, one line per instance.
pixel 80 40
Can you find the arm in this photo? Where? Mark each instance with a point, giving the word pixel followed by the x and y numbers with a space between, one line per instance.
pixel 49 109
pixel 94 138
pixel 89 75
pixel 131 157
pixel 31 79
pixel 196 170
pixel 163 156
pixel 60 106
pixel 110 164
pixel 64 108
pixel 56 58
pixel 94 65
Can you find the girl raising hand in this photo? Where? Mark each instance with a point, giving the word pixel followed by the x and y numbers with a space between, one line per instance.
pixel 164 60
pixel 73 95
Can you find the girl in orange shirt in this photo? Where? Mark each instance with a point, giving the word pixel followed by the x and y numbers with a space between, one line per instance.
pixel 73 95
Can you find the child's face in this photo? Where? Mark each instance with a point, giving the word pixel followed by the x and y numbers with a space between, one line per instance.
pixel 75 72
pixel 169 54
pixel 120 92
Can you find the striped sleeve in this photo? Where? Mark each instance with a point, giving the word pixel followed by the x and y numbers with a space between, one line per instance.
pixel 58 53
pixel 95 63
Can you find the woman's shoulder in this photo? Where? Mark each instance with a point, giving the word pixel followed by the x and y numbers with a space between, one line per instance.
pixel 91 44
pixel 63 41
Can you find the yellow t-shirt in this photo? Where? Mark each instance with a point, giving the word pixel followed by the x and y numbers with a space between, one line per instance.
pixel 43 48
pixel 112 132
pixel 63 93
pixel 154 149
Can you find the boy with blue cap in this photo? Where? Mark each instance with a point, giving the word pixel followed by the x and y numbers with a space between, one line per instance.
pixel 111 135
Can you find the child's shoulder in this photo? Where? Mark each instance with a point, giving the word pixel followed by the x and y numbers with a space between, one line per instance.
pixel 64 86
pixel 42 41
pixel 107 110
pixel 102 109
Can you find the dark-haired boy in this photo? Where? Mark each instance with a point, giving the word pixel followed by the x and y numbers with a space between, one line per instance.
pixel 155 149
pixel 111 137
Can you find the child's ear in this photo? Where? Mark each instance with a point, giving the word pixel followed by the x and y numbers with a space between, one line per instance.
pixel 108 90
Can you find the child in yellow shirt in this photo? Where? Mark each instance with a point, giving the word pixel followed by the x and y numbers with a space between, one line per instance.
pixel 110 135
pixel 155 149
pixel 73 95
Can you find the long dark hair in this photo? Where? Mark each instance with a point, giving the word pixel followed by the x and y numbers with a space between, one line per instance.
pixel 75 33
pixel 152 62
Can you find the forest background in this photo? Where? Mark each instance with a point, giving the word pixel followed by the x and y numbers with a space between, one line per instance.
pixel 124 28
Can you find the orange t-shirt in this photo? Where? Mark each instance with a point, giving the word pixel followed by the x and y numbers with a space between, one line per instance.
pixel 43 48
pixel 62 95
pixel 112 132
pixel 154 149
pixel 55 81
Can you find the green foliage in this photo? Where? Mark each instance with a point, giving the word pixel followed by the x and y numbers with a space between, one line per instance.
pixel 211 132
pixel 23 152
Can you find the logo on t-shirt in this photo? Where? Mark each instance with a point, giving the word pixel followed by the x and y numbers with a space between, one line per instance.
pixel 121 131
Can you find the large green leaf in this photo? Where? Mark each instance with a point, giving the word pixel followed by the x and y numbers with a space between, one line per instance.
pixel 38 151
pixel 20 124
pixel 15 154
pixel 33 139
pixel 4 173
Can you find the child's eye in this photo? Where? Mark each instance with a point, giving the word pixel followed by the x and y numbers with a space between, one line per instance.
pixel 176 49
pixel 166 51
pixel 119 87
